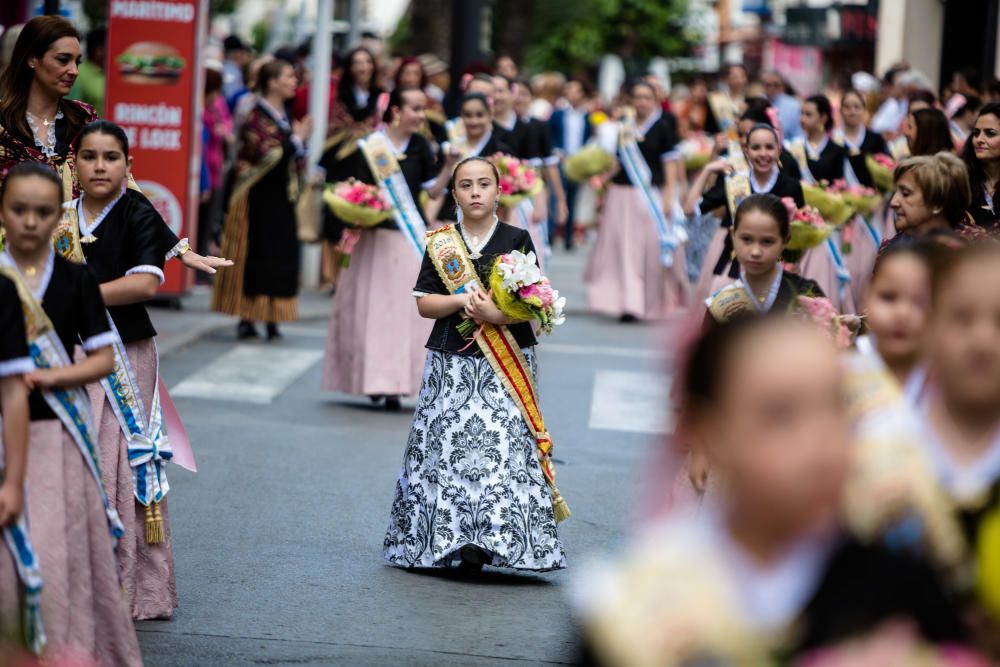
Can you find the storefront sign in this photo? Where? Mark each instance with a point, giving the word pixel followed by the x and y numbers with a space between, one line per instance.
pixel 154 85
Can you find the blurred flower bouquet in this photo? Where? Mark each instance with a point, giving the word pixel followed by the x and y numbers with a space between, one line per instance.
pixel 696 151
pixel 822 312
pixel 808 228
pixel 830 203
pixel 518 180
pixel 357 204
pixel 862 199
pixel 522 293
pixel 591 160
pixel 881 167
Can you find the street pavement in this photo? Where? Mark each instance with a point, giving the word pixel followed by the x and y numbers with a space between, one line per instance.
pixel 278 536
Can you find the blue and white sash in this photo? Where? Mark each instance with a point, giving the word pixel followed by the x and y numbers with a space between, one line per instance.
pixel 843 275
pixel 642 179
pixel 18 539
pixel 800 151
pixel 385 168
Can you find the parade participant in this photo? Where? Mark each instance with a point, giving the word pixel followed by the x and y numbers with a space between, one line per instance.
pixel 118 228
pixel 931 200
pixel 982 157
pixel 961 409
pixel 375 341
pixel 759 111
pixel 411 74
pixel 927 132
pixel 727 103
pixel 962 110
pixel 570 129
pixel 38 123
pixel 475 486
pixel 896 311
pixel 478 138
pixel 760 230
pixel 260 233
pixel 352 116
pixel 819 158
pixel 769 573
pixel 637 269
pixel 72 523
pixel 757 172
pixel 867 231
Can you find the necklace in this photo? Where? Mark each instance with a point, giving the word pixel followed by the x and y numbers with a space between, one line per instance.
pixel 30 271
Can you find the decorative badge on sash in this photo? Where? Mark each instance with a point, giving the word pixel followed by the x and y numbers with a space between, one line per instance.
pixel 447 250
pixel 642 179
pixel 385 168
pixel 724 111
pixel 458 141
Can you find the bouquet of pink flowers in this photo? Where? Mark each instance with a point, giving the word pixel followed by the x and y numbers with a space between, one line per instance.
pixel 808 228
pixel 830 203
pixel 882 168
pixel 821 312
pixel 518 180
pixel 696 151
pixel 522 293
pixel 862 199
pixel 358 204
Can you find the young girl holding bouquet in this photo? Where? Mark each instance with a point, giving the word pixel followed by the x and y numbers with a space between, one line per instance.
pixel 71 520
pixel 118 227
pixel 472 489
pixel 760 231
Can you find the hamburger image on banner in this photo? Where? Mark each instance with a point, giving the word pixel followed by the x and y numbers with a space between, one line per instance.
pixel 150 63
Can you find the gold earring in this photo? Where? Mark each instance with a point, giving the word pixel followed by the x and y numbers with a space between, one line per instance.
pixel 395 122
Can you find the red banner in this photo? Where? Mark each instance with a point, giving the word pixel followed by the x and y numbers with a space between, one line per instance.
pixel 154 91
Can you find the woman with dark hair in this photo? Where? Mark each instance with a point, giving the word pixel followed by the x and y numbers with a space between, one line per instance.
pixel 411 75
pixel 260 232
pixel 819 158
pixel 760 111
pixel 637 269
pixel 982 157
pixel 927 132
pixel 375 340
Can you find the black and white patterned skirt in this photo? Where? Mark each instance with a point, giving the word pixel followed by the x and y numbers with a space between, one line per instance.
pixel 470 475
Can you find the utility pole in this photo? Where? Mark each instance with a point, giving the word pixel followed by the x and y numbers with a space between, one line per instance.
pixel 466 37
pixel 354 16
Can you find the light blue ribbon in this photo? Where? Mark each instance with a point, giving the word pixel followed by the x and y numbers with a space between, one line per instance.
pixel 641 177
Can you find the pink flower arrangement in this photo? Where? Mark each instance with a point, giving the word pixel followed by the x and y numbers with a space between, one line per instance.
pixel 822 312
pixel 518 180
pixel 841 186
pixel 884 160
pixel 358 204
pixel 361 194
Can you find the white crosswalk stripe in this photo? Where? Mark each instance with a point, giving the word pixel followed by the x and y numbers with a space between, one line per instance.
pixel 631 401
pixel 248 374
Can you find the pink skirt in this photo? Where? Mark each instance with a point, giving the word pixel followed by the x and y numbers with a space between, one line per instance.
pixel 624 274
pixel 84 610
pixel 147 570
pixel 708 282
pixel 861 261
pixel 375 342
pixel 818 265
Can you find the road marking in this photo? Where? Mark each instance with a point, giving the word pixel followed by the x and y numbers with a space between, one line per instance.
pixel 635 402
pixel 248 373
pixel 600 350
pixel 304 331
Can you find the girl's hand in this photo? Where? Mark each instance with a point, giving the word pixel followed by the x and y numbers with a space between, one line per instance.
pixel 481 307
pixel 719 167
pixel 43 378
pixel 302 128
pixel 11 503
pixel 193 260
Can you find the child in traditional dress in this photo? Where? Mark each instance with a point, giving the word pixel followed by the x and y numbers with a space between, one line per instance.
pixel 961 408
pixel 119 227
pixel 473 489
pixel 897 307
pixel 71 521
pixel 760 231
pixel 767 571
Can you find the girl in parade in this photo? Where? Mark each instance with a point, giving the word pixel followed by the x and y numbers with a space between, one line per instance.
pixel 755 171
pixel 961 409
pixel 760 230
pixel 476 484
pixel 982 157
pixel 859 143
pixel 478 139
pixel 73 526
pixel 375 344
pixel 118 229
pixel 637 268
pixel 765 397
pixel 260 233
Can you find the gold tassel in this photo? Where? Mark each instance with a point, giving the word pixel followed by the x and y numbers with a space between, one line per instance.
pixel 154 524
pixel 560 509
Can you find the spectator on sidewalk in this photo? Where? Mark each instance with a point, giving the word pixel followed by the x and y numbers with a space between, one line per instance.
pixel 787 105
pixel 237 57
pixel 89 85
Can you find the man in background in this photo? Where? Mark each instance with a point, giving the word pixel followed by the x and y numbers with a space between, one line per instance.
pixel 788 107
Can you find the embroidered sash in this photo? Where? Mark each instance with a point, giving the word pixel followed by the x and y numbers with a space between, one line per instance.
pixel 451 259
pixel 385 168
pixel 797 148
pixel 724 111
pixel 18 540
pixel 642 179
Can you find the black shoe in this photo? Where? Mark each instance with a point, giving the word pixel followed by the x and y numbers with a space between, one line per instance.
pixel 272 332
pixel 473 559
pixel 376 398
pixel 245 330
pixel 625 319
pixel 392 404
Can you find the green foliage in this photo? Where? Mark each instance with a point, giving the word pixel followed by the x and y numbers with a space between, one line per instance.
pixel 573 36
pixel 401 37
pixel 259 35
pixel 223 7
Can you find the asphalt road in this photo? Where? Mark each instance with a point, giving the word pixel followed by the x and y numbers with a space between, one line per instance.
pixel 278 536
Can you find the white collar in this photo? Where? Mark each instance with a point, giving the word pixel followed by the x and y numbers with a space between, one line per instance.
pixel 508 126
pixel 398 150
pixel 960 481
pixel 850 144
pixel 43 285
pixel 647 124
pixel 815 153
pixel 476 250
pixel 478 148
pixel 772 291
pixel 278 116
pixel 88 230
pixel 769 185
